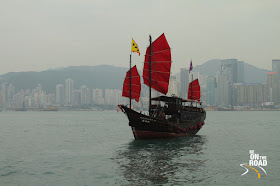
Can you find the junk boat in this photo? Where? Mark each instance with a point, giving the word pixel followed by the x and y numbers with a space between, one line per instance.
pixel 168 116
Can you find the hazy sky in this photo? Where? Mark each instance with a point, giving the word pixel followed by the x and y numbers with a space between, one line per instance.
pixel 36 35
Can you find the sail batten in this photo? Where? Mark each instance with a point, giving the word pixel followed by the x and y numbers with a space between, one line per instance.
pixel 135 84
pixel 194 90
pixel 160 65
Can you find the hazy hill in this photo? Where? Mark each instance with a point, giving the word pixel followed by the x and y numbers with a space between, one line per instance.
pixel 105 76
pixel 252 74
pixel 102 76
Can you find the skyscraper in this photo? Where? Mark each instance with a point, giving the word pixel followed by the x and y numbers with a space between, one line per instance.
pixel 60 94
pixel 3 100
pixel 223 87
pixel 97 96
pixel 229 66
pixel 232 71
pixel 173 86
pixel 240 71
pixel 210 90
pixel 85 95
pixel 276 89
pixel 276 66
pixel 184 82
pixel 69 86
pixel 76 97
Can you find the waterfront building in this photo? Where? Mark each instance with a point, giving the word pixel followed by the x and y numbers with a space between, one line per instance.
pixel 184 82
pixel 223 86
pixel 59 99
pixel 50 99
pixel 10 94
pixel 210 90
pixel 76 99
pixel 85 95
pixel 250 94
pixel 97 96
pixel 272 86
pixel 173 87
pixel 276 66
pixel 112 96
pixel 3 98
pixel 240 71
pixel 69 86
pixel 276 89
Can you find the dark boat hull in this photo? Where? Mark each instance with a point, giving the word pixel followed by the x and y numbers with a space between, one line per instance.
pixel 147 127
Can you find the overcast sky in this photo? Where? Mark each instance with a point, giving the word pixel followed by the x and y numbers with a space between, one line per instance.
pixel 36 35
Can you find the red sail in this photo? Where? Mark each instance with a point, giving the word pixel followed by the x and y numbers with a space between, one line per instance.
pixel 135 84
pixel 160 65
pixel 194 90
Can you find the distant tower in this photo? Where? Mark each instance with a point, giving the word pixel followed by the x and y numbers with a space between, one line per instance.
pixel 84 95
pixel 240 71
pixel 4 94
pixel 10 93
pixel 276 68
pixel 97 96
pixel 184 82
pixel 173 86
pixel 229 66
pixel 76 98
pixel 223 87
pixel 69 86
pixel 59 94
pixel 210 90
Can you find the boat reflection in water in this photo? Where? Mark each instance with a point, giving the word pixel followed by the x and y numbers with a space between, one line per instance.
pixel 164 161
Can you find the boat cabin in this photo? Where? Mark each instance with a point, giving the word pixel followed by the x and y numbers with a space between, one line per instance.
pixel 175 108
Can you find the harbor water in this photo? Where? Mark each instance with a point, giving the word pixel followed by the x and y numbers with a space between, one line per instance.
pixel 98 148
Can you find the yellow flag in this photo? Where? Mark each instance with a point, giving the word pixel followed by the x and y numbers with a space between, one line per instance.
pixel 134 47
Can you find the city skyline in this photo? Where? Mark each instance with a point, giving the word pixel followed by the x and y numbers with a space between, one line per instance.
pixel 41 35
pixel 177 72
pixel 226 89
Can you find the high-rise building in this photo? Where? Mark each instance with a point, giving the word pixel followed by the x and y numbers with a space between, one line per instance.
pixel 240 71
pixel 272 87
pixel 85 95
pixel 97 96
pixel 76 97
pixel 69 86
pixel 250 94
pixel 3 98
pixel 210 90
pixel 184 82
pixel 173 87
pixel 223 88
pixel 232 71
pixel 276 90
pixel 10 94
pixel 276 66
pixel 60 94
pixel 230 68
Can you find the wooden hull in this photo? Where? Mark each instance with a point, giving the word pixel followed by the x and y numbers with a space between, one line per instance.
pixel 147 127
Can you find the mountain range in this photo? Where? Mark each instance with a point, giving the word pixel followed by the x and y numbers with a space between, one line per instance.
pixel 101 76
pixel 106 76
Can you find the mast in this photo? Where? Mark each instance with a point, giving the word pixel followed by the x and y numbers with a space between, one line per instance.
pixel 150 74
pixel 192 89
pixel 130 82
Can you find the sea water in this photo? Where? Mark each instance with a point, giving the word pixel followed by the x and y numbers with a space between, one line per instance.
pixel 98 148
